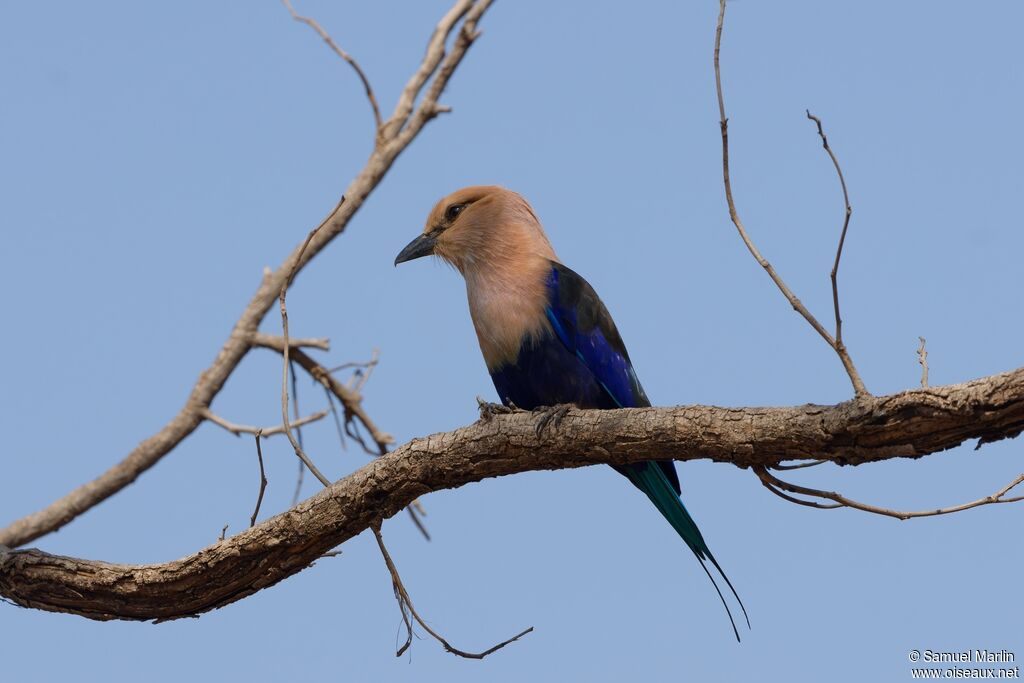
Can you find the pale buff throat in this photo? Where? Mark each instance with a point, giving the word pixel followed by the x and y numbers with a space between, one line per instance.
pixel 493 237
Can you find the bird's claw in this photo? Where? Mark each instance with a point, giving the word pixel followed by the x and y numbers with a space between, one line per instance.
pixel 551 415
pixel 489 410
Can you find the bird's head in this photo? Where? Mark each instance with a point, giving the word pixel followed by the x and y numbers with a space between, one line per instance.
pixel 480 227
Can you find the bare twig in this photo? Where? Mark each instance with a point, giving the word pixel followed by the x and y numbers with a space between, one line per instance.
pixel 312 23
pixel 799 466
pixel 286 347
pixel 774 485
pixel 415 510
pixel 362 364
pixel 223 531
pixel 858 385
pixel 407 609
pixel 337 419
pixel 263 482
pixel 350 399
pixel 840 347
pixel 238 429
pixel 922 358
pixel 298 433
pixel 273 341
pixel 363 370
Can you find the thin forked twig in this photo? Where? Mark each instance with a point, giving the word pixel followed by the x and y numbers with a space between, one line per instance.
pixel 840 347
pixel 238 429
pixel 858 384
pixel 777 486
pixel 362 373
pixel 263 482
pixel 362 364
pixel 313 24
pixel 409 614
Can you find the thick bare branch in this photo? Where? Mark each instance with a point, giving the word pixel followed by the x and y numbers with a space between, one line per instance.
pixel 245 331
pixel 858 384
pixel 906 425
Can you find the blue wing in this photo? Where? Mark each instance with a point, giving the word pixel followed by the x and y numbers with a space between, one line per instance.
pixel 583 325
pixel 586 329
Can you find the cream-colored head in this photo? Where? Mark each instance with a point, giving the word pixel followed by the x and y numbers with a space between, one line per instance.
pixel 481 227
pixel 492 236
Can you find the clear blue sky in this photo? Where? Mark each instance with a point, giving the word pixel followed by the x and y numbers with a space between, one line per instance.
pixel 153 158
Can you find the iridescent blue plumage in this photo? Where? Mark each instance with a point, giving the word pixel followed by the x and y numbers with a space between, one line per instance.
pixel 544 334
pixel 582 360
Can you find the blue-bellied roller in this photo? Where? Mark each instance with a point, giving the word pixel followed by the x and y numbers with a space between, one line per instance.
pixel 546 337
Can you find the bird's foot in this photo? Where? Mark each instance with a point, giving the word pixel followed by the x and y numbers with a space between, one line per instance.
pixel 489 410
pixel 551 415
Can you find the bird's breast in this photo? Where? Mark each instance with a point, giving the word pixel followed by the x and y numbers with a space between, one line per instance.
pixel 507 308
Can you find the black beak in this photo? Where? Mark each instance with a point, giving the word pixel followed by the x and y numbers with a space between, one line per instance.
pixel 421 246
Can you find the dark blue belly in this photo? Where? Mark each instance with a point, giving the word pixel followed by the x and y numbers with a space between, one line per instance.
pixel 546 374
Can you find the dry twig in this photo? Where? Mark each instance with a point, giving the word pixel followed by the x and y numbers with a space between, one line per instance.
pixel 858 384
pixel 238 429
pixel 298 433
pixel 777 486
pixel 839 346
pixel 273 341
pixel 263 482
pixel 312 23
pixel 409 614
pixel 285 350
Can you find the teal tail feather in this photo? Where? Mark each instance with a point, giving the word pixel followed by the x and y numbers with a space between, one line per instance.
pixel 649 478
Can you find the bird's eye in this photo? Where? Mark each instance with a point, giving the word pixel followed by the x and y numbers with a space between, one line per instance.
pixel 453 212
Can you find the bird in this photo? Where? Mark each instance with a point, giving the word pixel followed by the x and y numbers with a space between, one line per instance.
pixel 547 338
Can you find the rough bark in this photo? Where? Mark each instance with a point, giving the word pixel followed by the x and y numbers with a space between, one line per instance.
pixel 908 425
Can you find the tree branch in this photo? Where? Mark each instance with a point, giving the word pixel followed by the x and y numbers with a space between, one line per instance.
pixel 394 137
pixel 905 425
pixel 313 24
pixel 777 486
pixel 238 429
pixel 836 343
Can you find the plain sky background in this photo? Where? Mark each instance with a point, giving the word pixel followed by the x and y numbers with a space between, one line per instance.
pixel 155 157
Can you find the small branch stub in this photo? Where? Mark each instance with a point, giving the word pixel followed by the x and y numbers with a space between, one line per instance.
pixel 922 358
